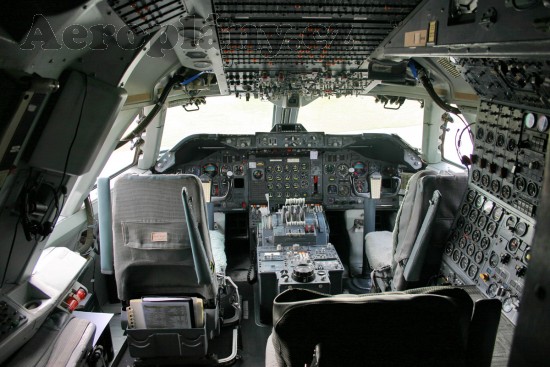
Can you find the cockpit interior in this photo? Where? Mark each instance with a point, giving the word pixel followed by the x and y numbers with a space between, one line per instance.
pixel 292 183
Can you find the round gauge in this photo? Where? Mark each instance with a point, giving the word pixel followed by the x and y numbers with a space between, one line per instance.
pixel 279 186
pixel 296 185
pixel 490 138
pixel 286 168
pixel 454 236
pixel 279 194
pixel 521 184
pixel 476 236
pixel 269 169
pixel 278 168
pixel 287 185
pixel 460 223
pixel 456 255
pixel 506 192
pixel 479 201
pixel 332 189
pixel 257 174
pixel 468 228
pixel 510 303
pixel 374 167
pixel 495 186
pixel 471 196
pixel 465 209
pixel 449 248
pixel 482 221
pixel 343 190
pixel 360 168
pixel 304 184
pixel 464 262
pixel 329 169
pixel 238 170
pixel 513 245
pixel 532 189
pixel 511 222
pixel 485 180
pixel 287 176
pixel 479 257
pixel 492 290
pixel 210 169
pixel 193 170
pixel 270 186
pixel 485 242
pixel 501 140
pixel 542 123
pixel 470 249
pixel 360 186
pixel 476 175
pixel 491 228
pixel 473 215
pixel 278 177
pixel 529 120
pixel 224 169
pixel 512 144
pixel 472 271
pixel 521 229
pixel 462 242
pixel 343 169
pixel 295 168
pixel 497 213
pixel 488 207
pixel 527 255
pixel 304 166
pixel 480 133
pixel 269 177
pixel 295 177
pixel 494 260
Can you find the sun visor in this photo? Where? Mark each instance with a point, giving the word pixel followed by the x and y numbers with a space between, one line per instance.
pixel 77 124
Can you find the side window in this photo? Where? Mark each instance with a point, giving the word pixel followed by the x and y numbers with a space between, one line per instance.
pixel 122 157
pixel 458 138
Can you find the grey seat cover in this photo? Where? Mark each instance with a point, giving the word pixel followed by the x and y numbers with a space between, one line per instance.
pixel 419 191
pixel 152 251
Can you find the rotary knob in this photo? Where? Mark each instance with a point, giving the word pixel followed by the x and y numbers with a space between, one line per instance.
pixel 303 273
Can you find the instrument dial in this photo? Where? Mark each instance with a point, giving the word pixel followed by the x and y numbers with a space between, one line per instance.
pixel 529 120
pixel 224 169
pixel 494 260
pixel 343 169
pixel 360 168
pixel 472 271
pixel 329 169
pixel 542 123
pixel 513 245
pixel 210 169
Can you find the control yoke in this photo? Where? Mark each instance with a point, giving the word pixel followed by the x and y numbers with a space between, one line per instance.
pixel 375 186
pixel 214 199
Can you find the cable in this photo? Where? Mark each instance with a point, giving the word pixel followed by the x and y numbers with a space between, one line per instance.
pixel 11 250
pixel 74 136
pixel 423 77
pixel 176 79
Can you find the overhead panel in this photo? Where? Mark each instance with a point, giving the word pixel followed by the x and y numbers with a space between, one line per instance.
pixel 305 34
pixel 302 48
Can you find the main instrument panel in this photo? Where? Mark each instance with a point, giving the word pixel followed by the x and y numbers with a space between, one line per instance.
pixel 332 170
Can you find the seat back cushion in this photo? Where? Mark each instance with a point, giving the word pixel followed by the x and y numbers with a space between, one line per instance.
pixel 152 252
pixel 391 329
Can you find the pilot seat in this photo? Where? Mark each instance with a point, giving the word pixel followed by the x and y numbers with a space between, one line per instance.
pixel 171 289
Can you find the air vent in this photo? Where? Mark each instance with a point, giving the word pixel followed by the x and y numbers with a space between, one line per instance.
pixel 448 65
pixel 144 16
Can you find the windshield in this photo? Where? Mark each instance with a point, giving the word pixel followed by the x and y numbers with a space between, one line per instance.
pixel 351 115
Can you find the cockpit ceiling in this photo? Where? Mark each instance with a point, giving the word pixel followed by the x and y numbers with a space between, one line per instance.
pixel 304 35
